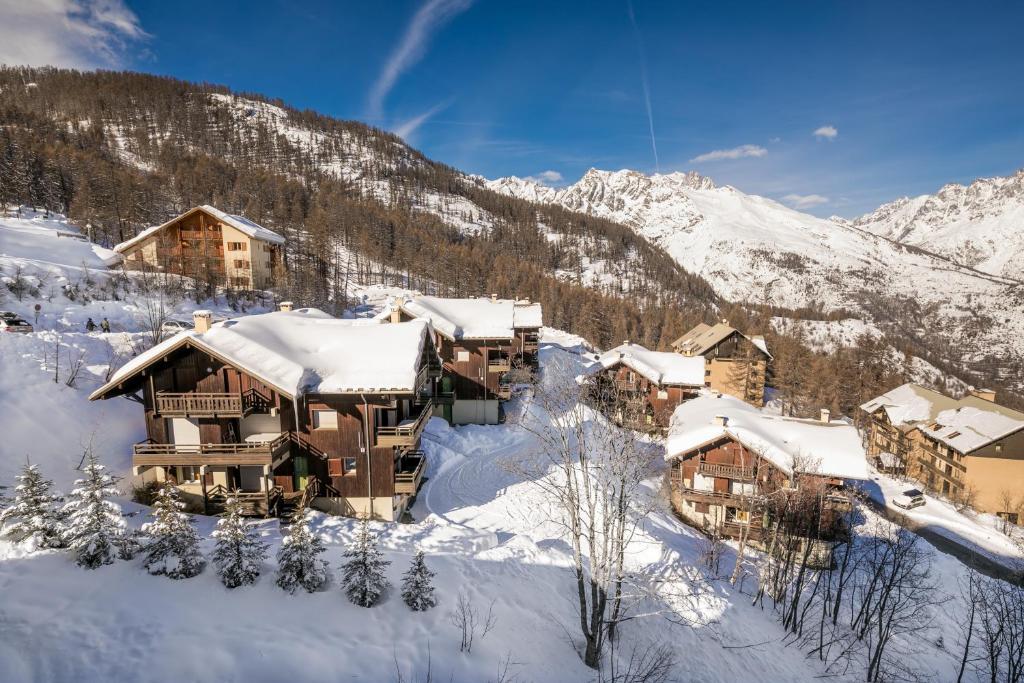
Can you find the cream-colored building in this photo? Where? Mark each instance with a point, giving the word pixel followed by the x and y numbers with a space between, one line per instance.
pixel 969 448
pixel 735 364
pixel 209 245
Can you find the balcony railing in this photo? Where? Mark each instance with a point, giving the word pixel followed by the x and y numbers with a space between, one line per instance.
pixel 728 471
pixel 247 453
pixel 409 471
pixel 498 365
pixel 199 405
pixel 627 384
pixel 408 432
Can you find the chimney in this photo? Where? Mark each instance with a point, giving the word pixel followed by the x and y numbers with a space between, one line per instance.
pixel 826 415
pixel 725 321
pixel 984 394
pixel 396 310
pixel 625 342
pixel 285 306
pixel 494 297
pixel 721 420
pixel 201 320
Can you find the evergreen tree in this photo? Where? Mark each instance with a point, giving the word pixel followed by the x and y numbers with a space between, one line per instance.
pixel 173 548
pixel 94 526
pixel 363 574
pixel 240 552
pixel 417 589
pixel 34 511
pixel 298 561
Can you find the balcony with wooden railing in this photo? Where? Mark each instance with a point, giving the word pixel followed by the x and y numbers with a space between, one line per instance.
pixel 197 404
pixel 711 469
pixel 150 453
pixel 627 384
pixel 406 433
pixel 499 364
pixel 409 471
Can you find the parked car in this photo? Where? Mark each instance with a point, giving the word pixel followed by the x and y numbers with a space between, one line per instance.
pixel 176 326
pixel 909 499
pixel 9 322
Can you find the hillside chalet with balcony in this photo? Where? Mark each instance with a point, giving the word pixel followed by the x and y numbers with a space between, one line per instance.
pixel 209 245
pixel 736 364
pixel 733 467
pixel 643 387
pixel 481 343
pixel 969 448
pixel 285 406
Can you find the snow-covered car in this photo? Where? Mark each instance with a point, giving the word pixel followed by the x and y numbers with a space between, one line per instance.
pixel 12 323
pixel 909 499
pixel 176 326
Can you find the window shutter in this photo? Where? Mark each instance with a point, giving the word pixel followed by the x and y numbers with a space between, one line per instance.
pixel 334 467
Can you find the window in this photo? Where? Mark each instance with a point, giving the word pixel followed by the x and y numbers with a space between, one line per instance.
pixel 240 263
pixel 999 448
pixel 236 246
pixel 349 466
pixel 462 356
pixel 953 435
pixel 325 419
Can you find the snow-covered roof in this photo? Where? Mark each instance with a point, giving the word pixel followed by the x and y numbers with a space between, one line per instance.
pixel 241 223
pixel 966 424
pixel 832 449
pixel 909 404
pixel 660 367
pixel 970 427
pixel 480 318
pixel 305 351
pixel 704 337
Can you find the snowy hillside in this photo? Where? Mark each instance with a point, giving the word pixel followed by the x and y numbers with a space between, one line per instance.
pixel 978 225
pixel 487 533
pixel 755 250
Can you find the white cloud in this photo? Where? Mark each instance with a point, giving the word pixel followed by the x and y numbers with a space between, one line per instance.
pixel 546 178
pixel 827 133
pixel 70 33
pixel 734 153
pixel 406 129
pixel 430 17
pixel 805 201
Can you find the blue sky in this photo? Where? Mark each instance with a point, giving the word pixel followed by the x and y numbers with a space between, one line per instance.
pixel 834 107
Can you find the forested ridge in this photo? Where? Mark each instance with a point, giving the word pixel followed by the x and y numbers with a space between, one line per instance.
pixel 118 152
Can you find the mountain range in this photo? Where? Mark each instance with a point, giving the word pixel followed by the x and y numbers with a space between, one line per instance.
pixel 944 269
pixel 619 254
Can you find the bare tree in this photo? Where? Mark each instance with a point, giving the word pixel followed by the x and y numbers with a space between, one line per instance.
pixel 591 472
pixel 470 622
pixel 158 294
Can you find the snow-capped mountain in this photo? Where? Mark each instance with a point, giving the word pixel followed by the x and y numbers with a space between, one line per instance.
pixel 756 250
pixel 979 225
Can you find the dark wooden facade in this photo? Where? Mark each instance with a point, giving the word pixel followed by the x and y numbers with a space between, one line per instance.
pixel 727 489
pixel 370 450
pixel 650 403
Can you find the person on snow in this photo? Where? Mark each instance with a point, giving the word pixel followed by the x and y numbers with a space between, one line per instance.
pixel 105 325
pixel 90 326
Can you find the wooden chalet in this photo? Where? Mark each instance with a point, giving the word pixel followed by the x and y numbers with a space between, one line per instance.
pixel 736 364
pixel 732 467
pixel 482 342
pixel 644 387
pixel 286 406
pixel 209 245
pixel 967 448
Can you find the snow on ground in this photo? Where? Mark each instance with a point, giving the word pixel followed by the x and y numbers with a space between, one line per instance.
pixel 486 533
pixel 978 531
pixel 827 335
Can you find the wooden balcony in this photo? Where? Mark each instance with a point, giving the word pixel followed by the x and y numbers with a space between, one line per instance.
pixel 170 454
pixel 499 365
pixel 713 497
pixel 408 432
pixel 627 385
pixel 199 405
pixel 409 471
pixel 734 529
pixel 728 471
pixel 504 392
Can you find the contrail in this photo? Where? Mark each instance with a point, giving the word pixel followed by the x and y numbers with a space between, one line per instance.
pixel 644 82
